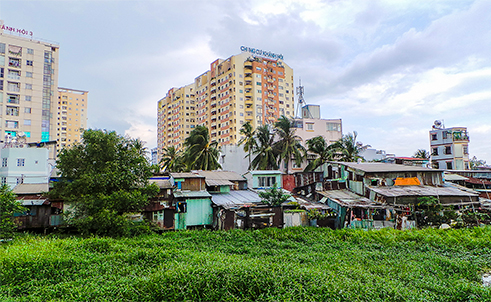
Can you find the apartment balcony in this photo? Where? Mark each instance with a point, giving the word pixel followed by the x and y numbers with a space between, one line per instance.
pixel 248 94
pixel 248 77
pixel 248 86
pixel 248 65
pixel 13 77
pixel 270 80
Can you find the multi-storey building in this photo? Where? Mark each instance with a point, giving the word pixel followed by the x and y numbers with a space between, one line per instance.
pixel 449 147
pixel 243 88
pixel 71 116
pixel 28 82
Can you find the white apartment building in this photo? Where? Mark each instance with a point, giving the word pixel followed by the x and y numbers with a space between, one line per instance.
pixel 449 148
pixel 28 83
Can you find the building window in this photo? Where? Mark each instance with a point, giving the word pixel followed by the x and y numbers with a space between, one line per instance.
pixel 266 181
pixel 29 62
pixel 444 134
pixel 20 162
pixel 29 86
pixel 12 124
pixel 435 151
pixel 434 137
pixel 466 149
pixel 309 126
pixel 2 47
pixel 4 162
pixel 28 98
pixel 27 122
pixel 4 180
pixel 449 165
pixel 19 180
pixel 27 110
pixel 14 111
pixel 28 74
pixel 30 51
pixel 448 150
pixel 333 127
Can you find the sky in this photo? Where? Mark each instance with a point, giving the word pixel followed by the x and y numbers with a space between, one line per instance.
pixel 388 69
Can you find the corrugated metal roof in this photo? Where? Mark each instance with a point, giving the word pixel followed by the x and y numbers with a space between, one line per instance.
pixel 225 175
pixel 382 167
pixel 236 199
pixel 398 191
pixel 30 188
pixel 263 172
pixel 218 182
pixel 162 183
pixel 454 177
pixel 196 194
pixel 347 198
pixel 186 175
pixel 33 202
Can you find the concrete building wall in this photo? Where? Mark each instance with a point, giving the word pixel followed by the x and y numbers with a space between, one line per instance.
pixel 27 165
pixel 449 148
pixel 28 83
pixel 71 117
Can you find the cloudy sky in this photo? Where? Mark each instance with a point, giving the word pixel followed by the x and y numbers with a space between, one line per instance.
pixel 389 69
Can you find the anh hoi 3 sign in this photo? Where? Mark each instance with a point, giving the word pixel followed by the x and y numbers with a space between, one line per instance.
pixel 15 30
pixel 260 52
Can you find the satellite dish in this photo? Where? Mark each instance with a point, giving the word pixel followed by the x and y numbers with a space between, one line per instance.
pixel 438 123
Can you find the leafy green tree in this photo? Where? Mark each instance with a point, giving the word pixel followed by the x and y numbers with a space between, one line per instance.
pixel 422 153
pixel 201 154
pixel 8 206
pixel 105 177
pixel 288 145
pixel 274 196
pixel 172 160
pixel 265 154
pixel 348 149
pixel 321 149
pixel 249 140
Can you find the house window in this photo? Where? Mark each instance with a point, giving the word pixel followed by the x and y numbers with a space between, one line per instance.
pixel 27 122
pixel 19 180
pixel 27 110
pixel 448 149
pixel 30 51
pixel 309 126
pixel 444 134
pixel 266 181
pixel 29 62
pixel 14 111
pixel 449 165
pixel 20 162
pixel 28 74
pixel 466 149
pixel 12 124
pixel 28 98
pixel 4 162
pixel 435 151
pixel 434 137
pixel 333 127
pixel 4 180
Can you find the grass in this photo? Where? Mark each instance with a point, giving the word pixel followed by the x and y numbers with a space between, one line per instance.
pixel 295 264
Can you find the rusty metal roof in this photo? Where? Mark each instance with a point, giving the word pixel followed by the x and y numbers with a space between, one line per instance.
pixel 191 194
pixel 162 183
pixel 25 188
pixel 382 167
pixel 186 175
pixel 223 175
pixel 347 198
pixel 399 191
pixel 218 182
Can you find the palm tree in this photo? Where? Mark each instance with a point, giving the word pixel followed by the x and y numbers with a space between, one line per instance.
pixel 288 144
pixel 200 153
pixel 172 160
pixel 422 153
pixel 348 149
pixel 319 147
pixel 248 140
pixel 265 155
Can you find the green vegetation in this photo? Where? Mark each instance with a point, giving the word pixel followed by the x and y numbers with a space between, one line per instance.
pixel 104 177
pixel 8 206
pixel 294 264
pixel 274 196
pixel 201 153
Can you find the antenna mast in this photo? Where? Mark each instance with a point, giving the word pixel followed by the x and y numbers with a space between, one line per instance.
pixel 300 97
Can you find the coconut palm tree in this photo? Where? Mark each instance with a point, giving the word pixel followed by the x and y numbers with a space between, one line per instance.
pixel 348 149
pixel 265 155
pixel 321 149
pixel 172 160
pixel 249 141
pixel 288 145
pixel 200 154
pixel 422 153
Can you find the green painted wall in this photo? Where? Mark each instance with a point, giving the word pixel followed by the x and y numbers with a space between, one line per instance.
pixel 199 212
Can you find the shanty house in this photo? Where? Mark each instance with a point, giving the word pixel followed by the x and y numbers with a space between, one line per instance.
pixel 160 209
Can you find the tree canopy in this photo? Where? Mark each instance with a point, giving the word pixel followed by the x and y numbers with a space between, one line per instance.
pixel 288 145
pixel 104 177
pixel 201 154
pixel 8 206
pixel 422 153
pixel 348 149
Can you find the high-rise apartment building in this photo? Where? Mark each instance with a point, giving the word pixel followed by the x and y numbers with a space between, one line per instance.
pixel 28 83
pixel 243 88
pixel 71 116
pixel 449 147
